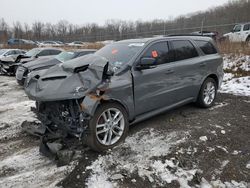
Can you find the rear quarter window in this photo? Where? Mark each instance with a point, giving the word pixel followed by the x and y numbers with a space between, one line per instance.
pixel 206 46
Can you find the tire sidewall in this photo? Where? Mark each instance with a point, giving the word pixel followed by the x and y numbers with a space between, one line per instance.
pixel 92 140
pixel 201 97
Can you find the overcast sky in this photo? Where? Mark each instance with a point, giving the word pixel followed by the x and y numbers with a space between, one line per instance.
pixel 98 11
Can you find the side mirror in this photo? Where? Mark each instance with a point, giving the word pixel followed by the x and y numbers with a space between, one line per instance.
pixel 146 63
pixel 232 30
pixel 36 56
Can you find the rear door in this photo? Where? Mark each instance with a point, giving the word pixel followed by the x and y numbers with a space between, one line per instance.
pixel 186 79
pixel 245 33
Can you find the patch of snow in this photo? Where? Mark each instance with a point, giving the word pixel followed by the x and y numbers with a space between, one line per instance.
pixel 13 115
pixel 237 86
pixel 235 152
pixel 136 156
pixel 223 132
pixel 224 149
pixel 133 180
pixel 224 163
pixel 210 149
pixel 248 165
pixel 213 132
pixel 219 105
pixel 235 62
pixel 235 184
pixel 181 175
pixel 203 138
pixel 30 169
pixel 217 126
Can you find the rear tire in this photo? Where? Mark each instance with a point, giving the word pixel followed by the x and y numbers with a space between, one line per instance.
pixel 108 127
pixel 207 93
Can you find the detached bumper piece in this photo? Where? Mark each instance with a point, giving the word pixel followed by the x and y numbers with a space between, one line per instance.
pixel 54 144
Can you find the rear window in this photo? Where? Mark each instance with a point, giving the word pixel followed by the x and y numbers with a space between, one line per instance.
pixel 206 47
pixel 184 49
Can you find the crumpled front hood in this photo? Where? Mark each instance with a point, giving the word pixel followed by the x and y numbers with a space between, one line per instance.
pixel 41 62
pixel 70 80
pixel 74 64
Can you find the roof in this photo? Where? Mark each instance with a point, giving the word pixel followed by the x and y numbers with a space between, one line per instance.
pixel 186 36
pixel 47 48
pixel 83 50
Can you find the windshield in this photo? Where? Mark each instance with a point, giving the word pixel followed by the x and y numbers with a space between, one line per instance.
pixel 2 51
pixel 65 56
pixel 119 54
pixel 32 52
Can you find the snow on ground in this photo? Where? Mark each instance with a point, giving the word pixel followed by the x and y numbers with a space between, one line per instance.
pixel 21 165
pixel 138 155
pixel 28 168
pixel 237 86
pixel 234 82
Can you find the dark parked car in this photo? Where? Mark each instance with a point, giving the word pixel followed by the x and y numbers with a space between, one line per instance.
pixel 7 58
pixel 213 34
pixel 18 42
pixel 41 64
pixel 96 97
pixel 32 55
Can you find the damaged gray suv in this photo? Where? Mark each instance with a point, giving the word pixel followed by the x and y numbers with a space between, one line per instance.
pixel 96 97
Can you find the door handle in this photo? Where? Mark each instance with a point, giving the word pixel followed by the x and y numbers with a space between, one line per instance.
pixel 202 64
pixel 169 71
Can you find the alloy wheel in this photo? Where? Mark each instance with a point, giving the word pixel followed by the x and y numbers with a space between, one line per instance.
pixel 209 93
pixel 110 126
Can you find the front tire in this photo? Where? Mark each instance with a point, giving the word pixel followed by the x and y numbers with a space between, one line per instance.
pixel 108 127
pixel 207 93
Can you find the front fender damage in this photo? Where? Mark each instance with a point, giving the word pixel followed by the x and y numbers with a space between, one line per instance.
pixel 66 98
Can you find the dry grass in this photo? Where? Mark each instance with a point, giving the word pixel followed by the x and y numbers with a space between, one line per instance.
pixel 235 48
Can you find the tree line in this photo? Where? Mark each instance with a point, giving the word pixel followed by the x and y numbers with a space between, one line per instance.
pixel 219 19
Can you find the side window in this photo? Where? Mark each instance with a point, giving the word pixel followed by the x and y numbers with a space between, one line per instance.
pixel 17 52
pixel 184 49
pixel 12 52
pixel 206 47
pixel 237 28
pixel 84 53
pixel 160 52
pixel 246 27
pixel 44 53
pixel 55 52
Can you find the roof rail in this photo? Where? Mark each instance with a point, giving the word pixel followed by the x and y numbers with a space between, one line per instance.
pixel 176 35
